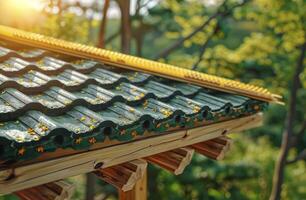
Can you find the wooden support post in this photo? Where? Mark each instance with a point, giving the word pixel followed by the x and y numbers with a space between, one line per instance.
pixel 123 176
pixel 139 192
pixel 174 161
pixel 215 148
pixel 90 186
pixel 59 190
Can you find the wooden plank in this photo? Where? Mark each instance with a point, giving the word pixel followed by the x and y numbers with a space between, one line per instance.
pixel 123 176
pixel 139 192
pixel 174 161
pixel 52 170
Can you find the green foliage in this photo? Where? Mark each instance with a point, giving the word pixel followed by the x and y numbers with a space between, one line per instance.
pixel 67 26
pixel 259 44
pixel 8 197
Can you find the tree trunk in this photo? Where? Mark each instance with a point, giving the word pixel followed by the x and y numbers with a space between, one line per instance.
pixel 90 30
pixel 124 6
pixel 60 7
pixel 101 38
pixel 278 177
pixel 139 40
pixel 138 34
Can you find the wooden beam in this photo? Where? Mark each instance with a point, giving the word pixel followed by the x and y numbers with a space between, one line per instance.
pixel 139 192
pixel 213 149
pixel 5 174
pixel 123 176
pixel 40 173
pixel 59 190
pixel 174 161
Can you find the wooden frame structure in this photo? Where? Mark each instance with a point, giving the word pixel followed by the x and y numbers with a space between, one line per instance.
pixel 22 177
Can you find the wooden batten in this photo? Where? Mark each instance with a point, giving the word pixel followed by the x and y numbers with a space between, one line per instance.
pixel 123 176
pixel 59 190
pixel 215 148
pixel 174 161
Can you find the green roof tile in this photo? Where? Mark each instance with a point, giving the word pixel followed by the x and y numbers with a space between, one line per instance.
pixel 50 103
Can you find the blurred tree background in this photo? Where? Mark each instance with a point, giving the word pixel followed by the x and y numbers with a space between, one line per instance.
pixel 255 41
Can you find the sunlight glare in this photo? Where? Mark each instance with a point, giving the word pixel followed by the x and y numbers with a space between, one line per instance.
pixel 21 13
pixel 22 6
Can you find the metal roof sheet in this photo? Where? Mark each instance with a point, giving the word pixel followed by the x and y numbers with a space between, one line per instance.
pixel 48 102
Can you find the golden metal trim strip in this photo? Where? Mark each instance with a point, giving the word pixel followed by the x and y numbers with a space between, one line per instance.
pixel 137 64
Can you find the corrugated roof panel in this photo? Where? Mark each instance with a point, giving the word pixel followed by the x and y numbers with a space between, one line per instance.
pixel 49 102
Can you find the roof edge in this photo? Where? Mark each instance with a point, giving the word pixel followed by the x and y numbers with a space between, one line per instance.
pixel 138 64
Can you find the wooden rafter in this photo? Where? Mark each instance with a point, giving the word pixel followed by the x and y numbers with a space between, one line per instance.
pixel 174 161
pixel 23 177
pixel 215 148
pixel 123 176
pixel 59 190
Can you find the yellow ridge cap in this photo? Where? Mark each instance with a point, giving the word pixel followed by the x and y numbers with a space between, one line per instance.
pixel 137 64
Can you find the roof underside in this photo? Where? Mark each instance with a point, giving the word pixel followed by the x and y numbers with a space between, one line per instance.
pixel 50 101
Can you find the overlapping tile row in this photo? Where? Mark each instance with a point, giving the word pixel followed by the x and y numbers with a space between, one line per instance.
pixel 35 82
pixel 29 55
pixel 50 104
pixel 52 66
pixel 35 132
pixel 56 101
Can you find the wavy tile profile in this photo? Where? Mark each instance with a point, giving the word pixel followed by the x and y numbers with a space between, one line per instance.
pixel 28 55
pixel 47 102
